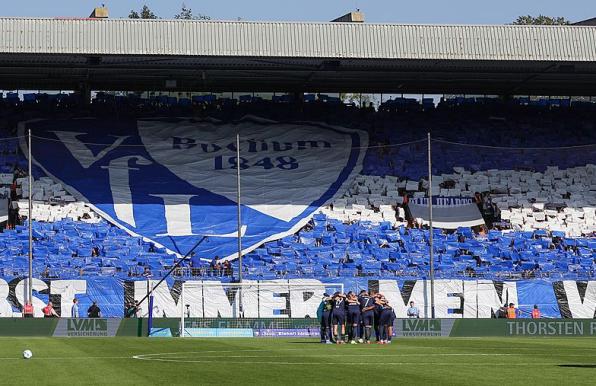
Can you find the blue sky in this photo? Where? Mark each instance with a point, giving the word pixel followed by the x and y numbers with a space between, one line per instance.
pixel 380 11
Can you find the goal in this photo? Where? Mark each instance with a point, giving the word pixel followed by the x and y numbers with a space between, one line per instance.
pixel 278 304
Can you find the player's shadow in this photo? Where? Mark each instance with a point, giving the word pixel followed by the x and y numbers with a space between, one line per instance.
pixel 580 366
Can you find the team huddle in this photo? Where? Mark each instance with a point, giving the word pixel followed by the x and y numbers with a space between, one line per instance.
pixel 358 315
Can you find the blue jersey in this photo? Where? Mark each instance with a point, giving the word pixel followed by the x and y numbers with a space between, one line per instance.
pixel 366 301
pixel 353 305
pixel 384 308
pixel 339 305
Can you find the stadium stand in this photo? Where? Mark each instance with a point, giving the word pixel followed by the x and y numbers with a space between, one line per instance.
pixel 535 189
pixel 557 200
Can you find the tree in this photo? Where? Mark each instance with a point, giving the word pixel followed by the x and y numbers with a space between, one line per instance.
pixel 145 13
pixel 356 98
pixel 541 20
pixel 186 14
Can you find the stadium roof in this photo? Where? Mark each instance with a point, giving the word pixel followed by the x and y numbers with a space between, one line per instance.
pixel 124 54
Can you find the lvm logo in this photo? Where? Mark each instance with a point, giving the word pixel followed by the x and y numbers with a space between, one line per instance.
pixel 421 327
pixel 87 327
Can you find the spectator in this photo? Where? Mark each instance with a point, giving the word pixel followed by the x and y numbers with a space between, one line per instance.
pixel 213 266
pixel 94 311
pixel 126 309
pixel 137 309
pixel 28 310
pixel 218 269
pixel 418 222
pixel 49 312
pixel 536 312
pixel 502 312
pixel 132 272
pixel 231 269
pixel 227 268
pixel 479 201
pixel 413 312
pixel 131 310
pixel 147 273
pixel 74 310
pixel 511 311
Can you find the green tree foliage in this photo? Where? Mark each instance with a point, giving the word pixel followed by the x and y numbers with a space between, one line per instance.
pixel 144 13
pixel 186 14
pixel 541 20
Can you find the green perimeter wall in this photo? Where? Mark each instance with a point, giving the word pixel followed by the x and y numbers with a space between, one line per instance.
pixel 524 327
pixel 27 326
pixel 48 326
pixel 403 327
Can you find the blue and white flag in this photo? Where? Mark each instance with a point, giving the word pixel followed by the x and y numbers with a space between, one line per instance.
pixel 448 212
pixel 173 181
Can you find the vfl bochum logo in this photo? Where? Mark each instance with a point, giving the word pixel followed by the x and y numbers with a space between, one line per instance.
pixel 173 181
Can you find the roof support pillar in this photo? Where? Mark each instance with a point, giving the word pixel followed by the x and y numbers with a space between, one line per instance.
pixel 85 93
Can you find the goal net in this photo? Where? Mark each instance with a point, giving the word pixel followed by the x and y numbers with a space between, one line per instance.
pixel 279 304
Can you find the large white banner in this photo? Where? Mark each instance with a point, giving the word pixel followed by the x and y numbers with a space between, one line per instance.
pixel 299 298
pixel 448 212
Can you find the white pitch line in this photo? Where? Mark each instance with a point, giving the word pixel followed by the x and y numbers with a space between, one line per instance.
pixel 348 355
pixel 160 357
pixel 62 358
pixel 368 364
pixel 335 349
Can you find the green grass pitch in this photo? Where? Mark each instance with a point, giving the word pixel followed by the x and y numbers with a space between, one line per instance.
pixel 174 361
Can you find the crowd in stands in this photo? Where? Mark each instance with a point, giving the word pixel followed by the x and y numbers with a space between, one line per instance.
pixel 538 203
pixel 557 200
pixel 332 248
pixel 327 248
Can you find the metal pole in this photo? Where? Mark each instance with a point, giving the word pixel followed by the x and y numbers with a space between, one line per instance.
pixel 30 279
pixel 239 220
pixel 183 311
pixel 430 224
pixel 150 314
pixel 477 290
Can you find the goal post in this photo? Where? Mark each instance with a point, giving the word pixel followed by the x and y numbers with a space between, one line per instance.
pixel 279 303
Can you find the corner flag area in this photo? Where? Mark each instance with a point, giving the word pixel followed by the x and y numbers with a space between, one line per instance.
pixel 133 361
